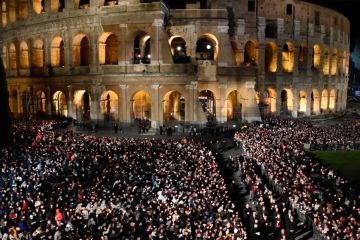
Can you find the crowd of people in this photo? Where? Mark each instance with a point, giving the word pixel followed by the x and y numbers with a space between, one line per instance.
pixel 287 183
pixel 69 186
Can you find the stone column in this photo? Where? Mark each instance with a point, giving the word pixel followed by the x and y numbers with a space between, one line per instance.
pixel 156 48
pixel 222 114
pixel 47 6
pixel 47 55
pixel 190 104
pixel 123 53
pixel 94 3
pixel 95 103
pixel 18 90
pixel 308 102
pixel 295 103
pixel 69 5
pixel 225 53
pixel 71 112
pixel 251 109
pixel 125 103
pixel 155 115
pixel 94 51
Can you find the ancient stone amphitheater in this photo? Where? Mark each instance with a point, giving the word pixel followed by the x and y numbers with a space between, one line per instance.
pixel 174 61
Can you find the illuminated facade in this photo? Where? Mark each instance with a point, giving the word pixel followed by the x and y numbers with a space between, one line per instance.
pixel 127 59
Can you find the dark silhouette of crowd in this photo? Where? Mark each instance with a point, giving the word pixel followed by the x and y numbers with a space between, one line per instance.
pixel 287 184
pixel 61 185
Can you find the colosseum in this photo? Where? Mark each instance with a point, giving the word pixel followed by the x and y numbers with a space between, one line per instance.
pixel 174 61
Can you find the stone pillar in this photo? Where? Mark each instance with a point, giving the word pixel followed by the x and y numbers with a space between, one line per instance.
pixel 125 104
pixel 308 102
pixel 296 60
pixel 123 53
pixel 69 5
pixel 94 3
pixel 95 103
pixel 190 104
pixel 295 103
pixel 47 6
pixel 71 112
pixel 156 119
pixel 225 53
pixel 251 109
pixel 18 90
pixel 94 51
pixel 222 114
pixel 156 48
pixel 47 55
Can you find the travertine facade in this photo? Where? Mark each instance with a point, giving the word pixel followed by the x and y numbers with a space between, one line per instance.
pixel 225 60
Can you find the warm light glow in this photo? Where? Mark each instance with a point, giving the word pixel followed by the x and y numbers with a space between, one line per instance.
pixel 12 11
pixel 108 48
pixel 234 106
pixel 141 106
pixel 288 57
pixel 317 56
pixel 332 100
pixel 109 105
pixel 24 55
pixel 57 52
pixel 38 54
pixel 251 53
pixel 4 57
pixel 326 63
pixel 41 101
pixel 23 9
pixel 60 103
pixel 324 100
pixel 81 50
pixel 4 13
pixel 315 101
pixel 37 6
pixel 12 52
pixel 302 101
pixel 271 57
pixel 334 62
pixel 173 107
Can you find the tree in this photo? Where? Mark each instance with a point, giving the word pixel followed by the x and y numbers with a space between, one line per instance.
pixel 5 117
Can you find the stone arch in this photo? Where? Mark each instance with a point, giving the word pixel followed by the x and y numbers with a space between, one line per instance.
pixel 57 5
pixel 178 49
pixel 57 52
pixel 334 62
pixel 251 53
pixel 288 52
pixel 207 47
pixel 24 55
pixel 81 50
pixel 23 9
pixel 303 56
pixel 208 103
pixel 271 55
pixel 38 60
pixel 12 56
pixel 109 105
pixel 315 101
pixel 324 100
pixel 12 10
pixel 82 102
pixel 332 100
pixel 326 62
pixel 4 13
pixel 141 105
pixel 234 106
pixel 38 6
pixel 4 55
pixel 286 102
pixel 269 101
pixel 302 102
pixel 108 48
pixel 13 101
pixel 60 106
pixel 316 56
pixel 142 48
pixel 40 101
pixel 173 107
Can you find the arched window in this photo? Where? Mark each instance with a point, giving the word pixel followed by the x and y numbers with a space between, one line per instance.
pixel 23 9
pixel 326 64
pixel 5 57
pixel 207 47
pixel 324 100
pixel 251 53
pixel 57 52
pixel 39 6
pixel 178 50
pixel 57 5
pixel 12 10
pixel 12 52
pixel 316 56
pixel 108 49
pixel 24 55
pixel 271 57
pixel 82 4
pixel 142 50
pixel 81 52
pixel 288 57
pixel 334 62
pixel 38 54
pixel 4 13
pixel 303 55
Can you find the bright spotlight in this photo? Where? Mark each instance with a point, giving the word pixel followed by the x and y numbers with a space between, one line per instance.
pixel 178 48
pixel 208 47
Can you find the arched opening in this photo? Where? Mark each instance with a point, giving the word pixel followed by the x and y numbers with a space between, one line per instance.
pixel 324 100
pixel 4 13
pixel 174 107
pixel 142 48
pixel 334 62
pixel 315 102
pixel 81 51
pixel 326 63
pixel 38 6
pixel 38 54
pixel 208 104
pixel 12 11
pixel 269 101
pixel 108 49
pixel 109 105
pixel 13 101
pixel 234 106
pixel 332 101
pixel 12 53
pixel 303 55
pixel 288 57
pixel 83 4
pixel 23 9
pixel 271 57
pixel 207 47
pixel 57 5
pixel 344 60
pixel 251 53
pixel 302 102
pixel 40 102
pixel 82 103
pixel 57 52
pixel 141 105
pixel 178 50
pixel 60 104
pixel 4 55
pixel 24 55
pixel 286 105
pixel 316 56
